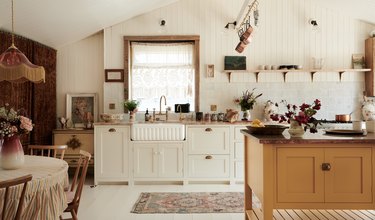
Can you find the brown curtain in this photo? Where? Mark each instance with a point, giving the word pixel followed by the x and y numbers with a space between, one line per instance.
pixel 38 100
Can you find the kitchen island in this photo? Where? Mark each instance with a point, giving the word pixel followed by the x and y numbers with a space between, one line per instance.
pixel 318 171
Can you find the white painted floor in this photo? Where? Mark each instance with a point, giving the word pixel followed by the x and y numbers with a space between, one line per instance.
pixel 114 202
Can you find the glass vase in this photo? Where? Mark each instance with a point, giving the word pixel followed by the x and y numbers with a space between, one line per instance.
pixel 11 153
pixel 296 130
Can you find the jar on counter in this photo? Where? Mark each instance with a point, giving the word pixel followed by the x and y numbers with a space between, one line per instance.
pixel 207 117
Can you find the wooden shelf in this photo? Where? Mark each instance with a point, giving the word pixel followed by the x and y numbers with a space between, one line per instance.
pixel 285 71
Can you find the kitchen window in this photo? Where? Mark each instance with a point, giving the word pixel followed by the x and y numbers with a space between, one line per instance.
pixel 162 67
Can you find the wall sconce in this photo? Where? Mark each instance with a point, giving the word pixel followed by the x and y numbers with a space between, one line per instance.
pixel 313 22
pixel 234 23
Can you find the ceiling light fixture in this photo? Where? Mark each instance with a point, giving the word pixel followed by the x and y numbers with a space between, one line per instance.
pixel 15 67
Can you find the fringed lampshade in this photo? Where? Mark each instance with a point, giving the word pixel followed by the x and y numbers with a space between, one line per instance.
pixel 15 67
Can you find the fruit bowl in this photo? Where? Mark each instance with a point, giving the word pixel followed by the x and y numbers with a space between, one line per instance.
pixel 267 129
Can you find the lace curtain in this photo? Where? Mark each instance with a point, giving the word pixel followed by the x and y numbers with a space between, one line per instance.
pixel 162 69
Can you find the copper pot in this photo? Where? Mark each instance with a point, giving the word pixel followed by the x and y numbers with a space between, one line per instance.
pixel 343 118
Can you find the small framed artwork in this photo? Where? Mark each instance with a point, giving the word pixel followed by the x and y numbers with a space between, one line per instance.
pixel 114 75
pixel 78 105
pixel 235 63
pixel 210 70
pixel 358 61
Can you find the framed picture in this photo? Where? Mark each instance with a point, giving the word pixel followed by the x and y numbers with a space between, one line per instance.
pixel 235 63
pixel 210 71
pixel 114 75
pixel 78 105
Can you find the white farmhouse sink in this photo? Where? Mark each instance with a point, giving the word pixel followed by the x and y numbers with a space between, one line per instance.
pixel 158 132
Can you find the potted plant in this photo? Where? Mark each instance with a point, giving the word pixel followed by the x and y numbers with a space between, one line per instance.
pixel 247 102
pixel 131 106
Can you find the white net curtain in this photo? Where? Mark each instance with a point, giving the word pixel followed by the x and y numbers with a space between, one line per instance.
pixel 162 69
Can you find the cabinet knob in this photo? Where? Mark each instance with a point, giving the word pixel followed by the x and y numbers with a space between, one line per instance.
pixel 326 166
pixel 112 130
pixel 208 129
pixel 208 157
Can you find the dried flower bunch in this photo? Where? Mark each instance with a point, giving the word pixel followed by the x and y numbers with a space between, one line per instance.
pixel 13 122
pixel 302 114
pixel 131 105
pixel 247 100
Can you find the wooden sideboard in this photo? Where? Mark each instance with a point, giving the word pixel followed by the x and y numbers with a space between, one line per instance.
pixel 76 140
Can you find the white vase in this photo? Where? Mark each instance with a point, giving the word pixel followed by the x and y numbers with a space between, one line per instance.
pixel 296 130
pixel 131 116
pixel 246 116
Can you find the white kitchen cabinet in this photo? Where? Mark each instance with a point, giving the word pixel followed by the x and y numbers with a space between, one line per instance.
pixel 237 153
pixel 208 166
pixel 208 139
pixel 111 153
pixel 209 152
pixel 158 159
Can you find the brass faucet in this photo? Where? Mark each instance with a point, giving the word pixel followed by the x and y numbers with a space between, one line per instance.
pixel 165 103
pixel 180 109
pixel 166 109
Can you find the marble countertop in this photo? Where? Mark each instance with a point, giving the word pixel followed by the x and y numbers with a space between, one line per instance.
pixel 312 138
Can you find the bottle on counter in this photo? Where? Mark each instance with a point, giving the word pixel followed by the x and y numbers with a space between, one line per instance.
pixel 147 115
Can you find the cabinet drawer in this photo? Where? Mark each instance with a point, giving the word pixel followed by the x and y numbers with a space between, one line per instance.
pixel 208 140
pixel 84 142
pixel 73 160
pixel 208 166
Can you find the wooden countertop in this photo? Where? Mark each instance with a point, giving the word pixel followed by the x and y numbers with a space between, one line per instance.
pixel 310 138
pixel 182 122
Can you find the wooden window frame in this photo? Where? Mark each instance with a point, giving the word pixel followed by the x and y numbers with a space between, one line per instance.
pixel 168 39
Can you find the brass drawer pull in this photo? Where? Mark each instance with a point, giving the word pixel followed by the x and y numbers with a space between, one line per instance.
pixel 112 130
pixel 208 129
pixel 326 166
pixel 208 157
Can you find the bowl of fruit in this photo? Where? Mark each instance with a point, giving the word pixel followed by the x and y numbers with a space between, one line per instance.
pixel 257 127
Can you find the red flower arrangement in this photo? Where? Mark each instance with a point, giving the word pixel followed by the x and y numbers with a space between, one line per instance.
pixel 302 114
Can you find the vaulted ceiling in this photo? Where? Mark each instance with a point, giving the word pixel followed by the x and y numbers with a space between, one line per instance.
pixel 59 22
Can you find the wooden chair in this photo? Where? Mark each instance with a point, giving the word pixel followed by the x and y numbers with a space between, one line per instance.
pixel 48 150
pixel 9 183
pixel 74 194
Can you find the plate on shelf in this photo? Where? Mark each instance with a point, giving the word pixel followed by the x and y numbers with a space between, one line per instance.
pixel 344 131
pixel 267 129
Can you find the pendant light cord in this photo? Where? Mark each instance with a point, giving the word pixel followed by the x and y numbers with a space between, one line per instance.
pixel 12 25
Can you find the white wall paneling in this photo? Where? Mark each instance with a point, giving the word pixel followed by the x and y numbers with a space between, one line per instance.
pixel 283 37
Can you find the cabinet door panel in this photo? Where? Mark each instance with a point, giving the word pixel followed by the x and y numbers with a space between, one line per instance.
pixel 145 160
pixel 208 140
pixel 349 179
pixel 170 160
pixel 112 152
pixel 299 176
pixel 217 166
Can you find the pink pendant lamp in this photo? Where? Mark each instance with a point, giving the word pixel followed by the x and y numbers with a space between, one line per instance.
pixel 15 67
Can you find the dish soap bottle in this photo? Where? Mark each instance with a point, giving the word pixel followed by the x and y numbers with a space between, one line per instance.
pixel 147 115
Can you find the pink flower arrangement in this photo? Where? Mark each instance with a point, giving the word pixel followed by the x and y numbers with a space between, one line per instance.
pixel 302 114
pixel 13 123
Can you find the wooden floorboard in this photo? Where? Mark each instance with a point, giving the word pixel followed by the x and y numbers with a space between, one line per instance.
pixel 296 214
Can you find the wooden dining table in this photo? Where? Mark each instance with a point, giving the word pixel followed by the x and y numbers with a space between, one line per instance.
pixel 44 198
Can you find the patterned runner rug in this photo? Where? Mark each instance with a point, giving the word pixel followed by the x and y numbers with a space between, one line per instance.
pixel 191 202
